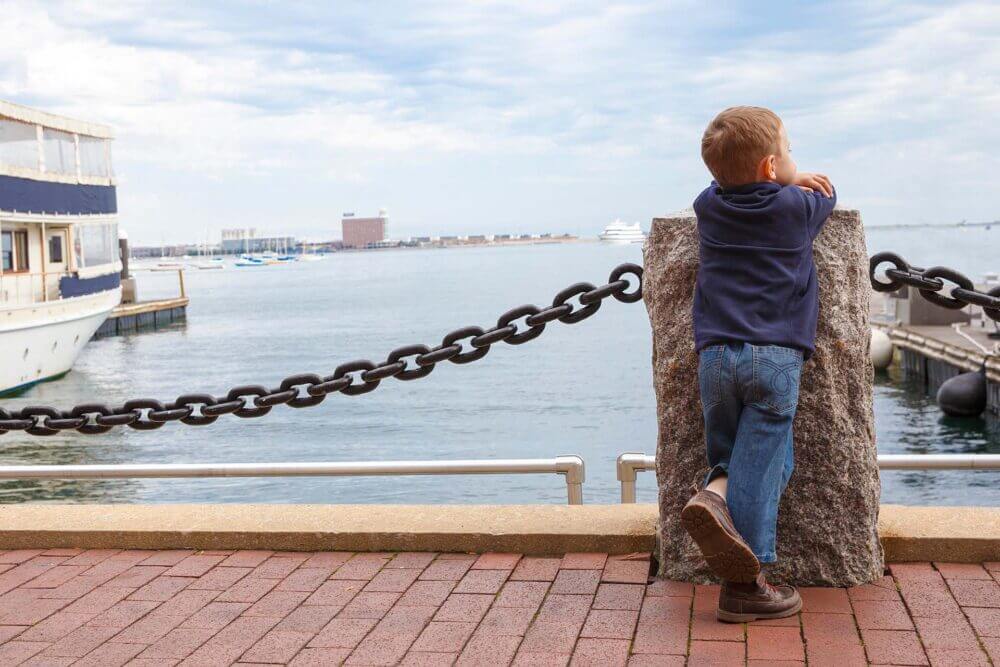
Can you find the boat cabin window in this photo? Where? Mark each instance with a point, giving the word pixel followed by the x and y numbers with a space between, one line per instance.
pixel 15 251
pixel 18 144
pixel 56 248
pixel 60 151
pixel 96 244
pixel 94 157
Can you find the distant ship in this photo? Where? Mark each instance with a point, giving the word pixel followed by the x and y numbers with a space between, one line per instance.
pixel 619 232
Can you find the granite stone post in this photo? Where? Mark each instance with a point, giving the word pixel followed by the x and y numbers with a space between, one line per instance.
pixel 827 524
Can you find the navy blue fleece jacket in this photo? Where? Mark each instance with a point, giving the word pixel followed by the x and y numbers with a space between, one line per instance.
pixel 756 279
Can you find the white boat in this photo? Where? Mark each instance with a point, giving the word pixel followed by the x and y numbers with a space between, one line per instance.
pixel 59 268
pixel 619 232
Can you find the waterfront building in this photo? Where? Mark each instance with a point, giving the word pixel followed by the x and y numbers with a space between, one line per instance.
pixel 59 265
pixel 235 241
pixel 364 232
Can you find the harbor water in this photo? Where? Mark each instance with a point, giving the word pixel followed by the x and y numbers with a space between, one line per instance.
pixel 581 389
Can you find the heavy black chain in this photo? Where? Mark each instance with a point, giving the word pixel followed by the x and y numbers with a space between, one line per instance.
pixel 931 284
pixel 353 378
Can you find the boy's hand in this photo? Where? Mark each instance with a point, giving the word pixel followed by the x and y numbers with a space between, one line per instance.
pixel 810 182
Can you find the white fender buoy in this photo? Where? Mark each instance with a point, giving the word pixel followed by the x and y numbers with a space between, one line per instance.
pixel 881 350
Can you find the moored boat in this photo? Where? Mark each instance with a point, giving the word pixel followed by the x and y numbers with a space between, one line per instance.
pixel 59 266
pixel 250 260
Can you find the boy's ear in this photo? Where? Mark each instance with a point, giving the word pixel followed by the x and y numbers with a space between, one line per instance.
pixel 767 168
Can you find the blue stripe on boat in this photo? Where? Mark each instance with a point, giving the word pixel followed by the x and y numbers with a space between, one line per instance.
pixel 24 195
pixel 70 286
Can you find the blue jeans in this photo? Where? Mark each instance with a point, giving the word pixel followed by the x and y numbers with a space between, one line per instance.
pixel 749 394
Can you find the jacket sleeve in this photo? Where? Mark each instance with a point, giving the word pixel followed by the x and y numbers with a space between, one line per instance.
pixel 818 209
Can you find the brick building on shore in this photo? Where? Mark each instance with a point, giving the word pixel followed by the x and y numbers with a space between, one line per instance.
pixel 363 232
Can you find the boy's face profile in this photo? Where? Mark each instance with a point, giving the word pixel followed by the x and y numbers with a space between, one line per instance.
pixel 778 166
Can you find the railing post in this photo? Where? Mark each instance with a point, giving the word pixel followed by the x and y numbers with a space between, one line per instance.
pixel 575 472
pixel 627 466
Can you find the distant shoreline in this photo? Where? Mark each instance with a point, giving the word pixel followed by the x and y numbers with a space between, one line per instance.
pixel 141 253
pixel 933 225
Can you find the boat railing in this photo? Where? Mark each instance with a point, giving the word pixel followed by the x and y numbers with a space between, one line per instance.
pixel 570 467
pixel 630 464
pixel 25 287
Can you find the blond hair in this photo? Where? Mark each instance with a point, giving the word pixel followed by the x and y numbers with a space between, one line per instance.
pixel 737 140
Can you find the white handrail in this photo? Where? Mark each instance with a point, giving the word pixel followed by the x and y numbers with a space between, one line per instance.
pixel 632 463
pixel 571 467
pixel 939 461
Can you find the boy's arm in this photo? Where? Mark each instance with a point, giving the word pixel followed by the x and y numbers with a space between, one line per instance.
pixel 820 198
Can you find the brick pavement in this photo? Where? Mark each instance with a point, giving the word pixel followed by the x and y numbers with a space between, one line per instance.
pixel 110 607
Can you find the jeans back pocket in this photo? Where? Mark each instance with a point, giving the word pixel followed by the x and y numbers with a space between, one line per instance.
pixel 776 374
pixel 710 375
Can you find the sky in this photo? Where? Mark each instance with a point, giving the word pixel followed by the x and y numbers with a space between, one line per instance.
pixel 495 116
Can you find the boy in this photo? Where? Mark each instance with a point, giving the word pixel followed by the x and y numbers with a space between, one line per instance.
pixel 755 308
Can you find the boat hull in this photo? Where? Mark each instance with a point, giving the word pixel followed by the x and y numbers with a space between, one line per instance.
pixel 42 341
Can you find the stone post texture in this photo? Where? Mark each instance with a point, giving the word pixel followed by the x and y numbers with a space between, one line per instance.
pixel 827 525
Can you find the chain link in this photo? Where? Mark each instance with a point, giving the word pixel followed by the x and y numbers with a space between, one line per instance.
pixel 410 362
pixel 931 283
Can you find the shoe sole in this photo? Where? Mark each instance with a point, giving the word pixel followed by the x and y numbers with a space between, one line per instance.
pixel 729 558
pixel 733 617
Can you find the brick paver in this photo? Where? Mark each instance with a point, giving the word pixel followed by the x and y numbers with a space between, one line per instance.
pixel 110 607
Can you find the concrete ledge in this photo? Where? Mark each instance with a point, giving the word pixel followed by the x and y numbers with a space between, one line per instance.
pixel 955 534
pixel 529 529
pixel 958 534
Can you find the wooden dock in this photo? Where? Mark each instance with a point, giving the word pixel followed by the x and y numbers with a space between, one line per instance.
pixel 142 316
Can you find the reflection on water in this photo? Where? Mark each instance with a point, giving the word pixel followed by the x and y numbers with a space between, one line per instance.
pixel 584 389
pixel 67 491
pixel 63 450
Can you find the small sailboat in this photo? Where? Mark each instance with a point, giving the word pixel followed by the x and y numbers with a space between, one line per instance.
pixel 249 260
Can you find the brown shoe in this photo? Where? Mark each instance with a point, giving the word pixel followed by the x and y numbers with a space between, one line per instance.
pixel 706 518
pixel 741 603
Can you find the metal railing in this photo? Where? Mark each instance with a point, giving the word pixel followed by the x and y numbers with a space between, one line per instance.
pixel 571 467
pixel 631 463
pixel 628 466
